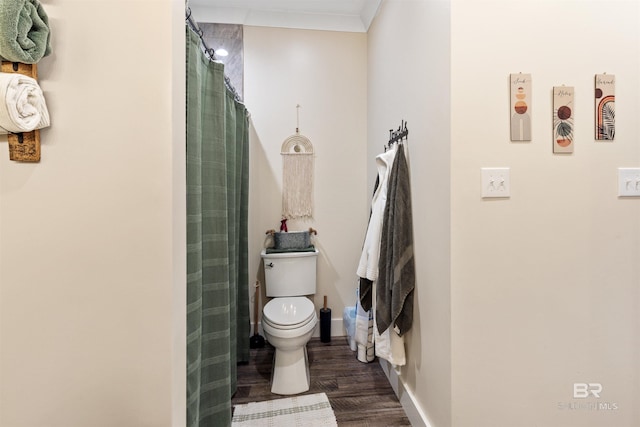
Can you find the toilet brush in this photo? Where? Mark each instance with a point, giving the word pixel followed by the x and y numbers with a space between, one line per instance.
pixel 257 340
pixel 325 322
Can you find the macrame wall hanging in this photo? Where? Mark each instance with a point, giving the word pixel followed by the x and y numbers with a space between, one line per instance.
pixel 297 175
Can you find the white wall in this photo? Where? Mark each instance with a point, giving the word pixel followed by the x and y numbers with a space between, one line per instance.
pixel 409 80
pixel 545 285
pixel 91 286
pixel 325 73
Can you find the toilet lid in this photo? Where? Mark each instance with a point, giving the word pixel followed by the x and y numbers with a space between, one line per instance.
pixel 288 312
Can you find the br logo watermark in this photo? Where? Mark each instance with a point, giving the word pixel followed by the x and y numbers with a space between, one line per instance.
pixel 584 390
pixel 584 395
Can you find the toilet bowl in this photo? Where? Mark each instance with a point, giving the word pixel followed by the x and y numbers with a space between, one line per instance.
pixel 288 324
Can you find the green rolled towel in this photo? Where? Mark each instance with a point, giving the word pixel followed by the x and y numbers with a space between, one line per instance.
pixel 24 31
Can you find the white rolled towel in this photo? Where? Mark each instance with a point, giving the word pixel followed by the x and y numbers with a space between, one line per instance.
pixel 22 105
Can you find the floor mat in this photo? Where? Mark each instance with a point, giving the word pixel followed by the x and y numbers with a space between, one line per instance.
pixel 304 410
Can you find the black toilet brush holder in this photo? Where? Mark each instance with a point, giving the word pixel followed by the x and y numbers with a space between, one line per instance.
pixel 325 322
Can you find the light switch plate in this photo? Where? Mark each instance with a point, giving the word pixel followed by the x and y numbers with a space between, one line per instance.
pixel 496 183
pixel 629 182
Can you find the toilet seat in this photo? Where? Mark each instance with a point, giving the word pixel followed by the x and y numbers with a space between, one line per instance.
pixel 289 317
pixel 288 312
pixel 267 321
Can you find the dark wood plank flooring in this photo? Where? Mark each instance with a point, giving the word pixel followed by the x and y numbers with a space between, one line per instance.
pixel 359 393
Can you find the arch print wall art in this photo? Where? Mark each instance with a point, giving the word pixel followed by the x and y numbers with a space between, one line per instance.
pixel 563 119
pixel 520 107
pixel 605 107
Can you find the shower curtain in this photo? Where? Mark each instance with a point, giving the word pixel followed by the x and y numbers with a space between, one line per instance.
pixel 217 210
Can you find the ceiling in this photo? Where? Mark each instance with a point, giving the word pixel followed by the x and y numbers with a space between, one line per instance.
pixel 331 15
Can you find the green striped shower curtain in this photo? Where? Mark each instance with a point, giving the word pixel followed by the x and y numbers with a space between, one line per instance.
pixel 217 272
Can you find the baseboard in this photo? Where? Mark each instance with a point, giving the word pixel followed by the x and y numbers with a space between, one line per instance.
pixel 415 414
pixel 337 329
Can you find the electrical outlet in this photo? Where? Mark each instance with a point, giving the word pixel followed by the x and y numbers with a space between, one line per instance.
pixel 496 183
pixel 629 182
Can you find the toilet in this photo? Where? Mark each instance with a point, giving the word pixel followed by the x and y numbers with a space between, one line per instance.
pixel 289 318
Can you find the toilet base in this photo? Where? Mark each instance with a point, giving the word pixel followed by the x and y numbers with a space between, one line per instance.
pixel 290 373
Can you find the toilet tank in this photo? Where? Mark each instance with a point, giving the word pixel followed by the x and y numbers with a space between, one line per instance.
pixel 289 274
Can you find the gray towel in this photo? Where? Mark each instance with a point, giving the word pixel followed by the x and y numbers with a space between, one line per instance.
pixel 24 31
pixel 396 278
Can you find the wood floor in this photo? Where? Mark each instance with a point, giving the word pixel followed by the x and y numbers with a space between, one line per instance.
pixel 359 393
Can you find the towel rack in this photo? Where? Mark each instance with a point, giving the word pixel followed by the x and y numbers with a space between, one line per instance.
pixel 397 135
pixel 23 146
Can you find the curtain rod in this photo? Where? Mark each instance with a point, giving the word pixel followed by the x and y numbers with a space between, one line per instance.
pixel 210 52
pixel 196 29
